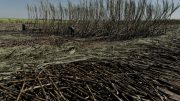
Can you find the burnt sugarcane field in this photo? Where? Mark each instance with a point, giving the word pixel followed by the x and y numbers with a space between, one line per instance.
pixel 91 50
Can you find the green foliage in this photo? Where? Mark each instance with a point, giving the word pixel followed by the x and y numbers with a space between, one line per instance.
pixel 14 20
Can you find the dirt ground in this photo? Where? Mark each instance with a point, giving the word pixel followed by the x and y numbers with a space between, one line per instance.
pixel 139 69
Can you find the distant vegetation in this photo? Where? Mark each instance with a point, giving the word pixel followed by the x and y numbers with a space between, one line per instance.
pixel 13 20
pixel 115 18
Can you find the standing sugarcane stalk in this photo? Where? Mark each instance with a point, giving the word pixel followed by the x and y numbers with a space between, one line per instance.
pixel 115 17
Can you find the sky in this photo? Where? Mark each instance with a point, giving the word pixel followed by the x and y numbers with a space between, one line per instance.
pixel 17 8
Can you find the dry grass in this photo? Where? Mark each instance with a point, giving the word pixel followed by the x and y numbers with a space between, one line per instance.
pixel 76 69
pixel 150 72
